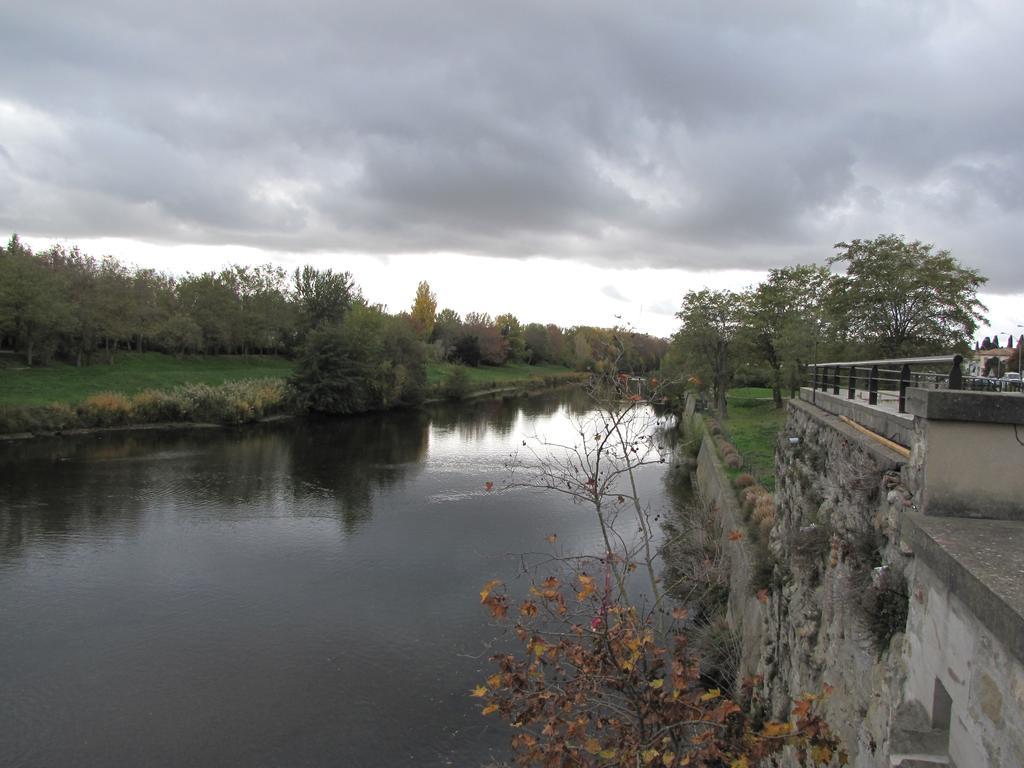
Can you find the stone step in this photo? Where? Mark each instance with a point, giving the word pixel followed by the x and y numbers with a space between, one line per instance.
pixel 909 748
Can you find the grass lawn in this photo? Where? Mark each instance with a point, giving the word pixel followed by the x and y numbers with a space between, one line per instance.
pixel 131 372
pixel 749 393
pixel 753 426
pixel 510 373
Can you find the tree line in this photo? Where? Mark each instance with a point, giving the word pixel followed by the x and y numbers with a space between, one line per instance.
pixel 895 299
pixel 63 304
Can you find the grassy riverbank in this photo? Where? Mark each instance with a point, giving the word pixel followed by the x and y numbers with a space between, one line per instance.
pixel 488 377
pixel 155 388
pixel 753 427
pixel 130 374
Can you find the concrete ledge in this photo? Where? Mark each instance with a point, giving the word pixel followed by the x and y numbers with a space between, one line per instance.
pixel 982 563
pixel 895 426
pixel 960 405
pixel 885 456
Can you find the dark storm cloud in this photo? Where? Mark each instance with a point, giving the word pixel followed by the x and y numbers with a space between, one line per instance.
pixel 702 135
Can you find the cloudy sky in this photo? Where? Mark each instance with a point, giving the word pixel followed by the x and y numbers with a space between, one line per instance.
pixel 567 161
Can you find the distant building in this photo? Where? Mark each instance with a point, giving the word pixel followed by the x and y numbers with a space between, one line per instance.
pixel 976 361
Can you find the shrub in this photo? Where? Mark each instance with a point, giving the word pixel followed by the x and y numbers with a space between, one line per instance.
pixel 154 405
pixel 811 543
pixel 749 497
pixel 719 650
pixel 764 509
pixel 369 362
pixel 733 461
pixel 763 573
pixel 884 606
pixel 744 481
pixel 457 385
pixel 106 409
pixel 47 418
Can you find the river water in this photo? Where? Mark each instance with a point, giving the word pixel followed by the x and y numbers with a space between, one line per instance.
pixel 296 594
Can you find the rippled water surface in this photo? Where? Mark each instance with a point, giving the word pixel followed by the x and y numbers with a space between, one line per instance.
pixel 284 595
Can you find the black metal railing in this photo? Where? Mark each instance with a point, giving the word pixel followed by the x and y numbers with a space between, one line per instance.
pixel 894 375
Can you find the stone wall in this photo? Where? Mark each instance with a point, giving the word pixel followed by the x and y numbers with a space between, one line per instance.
pixel 839 496
pixel 838 499
pixel 746 616
pixel 950 653
pixel 914 622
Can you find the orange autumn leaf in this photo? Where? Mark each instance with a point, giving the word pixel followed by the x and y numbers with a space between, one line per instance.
pixel 801 708
pixel 587 587
pixel 762 595
pixel 528 608
pixel 489 709
pixel 775 730
pixel 497 606
pixel 735 534
pixel 552 538
pixel 478 692
pixel 488 588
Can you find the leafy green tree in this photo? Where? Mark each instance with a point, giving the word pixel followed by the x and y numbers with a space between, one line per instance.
pixel 213 304
pixel 263 318
pixel 492 345
pixel 511 331
pixel 113 297
pixel 30 295
pixel 781 319
pixel 467 349
pixel 710 322
pixel 537 343
pixel 370 361
pixel 152 303
pixel 322 297
pixel 447 330
pixel 899 298
pixel 556 343
pixel 179 334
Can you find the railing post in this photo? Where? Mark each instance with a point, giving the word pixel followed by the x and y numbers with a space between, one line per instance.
pixel 956 375
pixel 851 384
pixel 873 386
pixel 835 380
pixel 904 383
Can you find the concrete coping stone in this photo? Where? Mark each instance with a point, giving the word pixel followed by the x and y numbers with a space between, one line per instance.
pixel 961 405
pixel 979 561
pixel 885 456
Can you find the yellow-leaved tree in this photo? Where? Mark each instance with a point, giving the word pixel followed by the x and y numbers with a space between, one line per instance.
pixel 424 309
